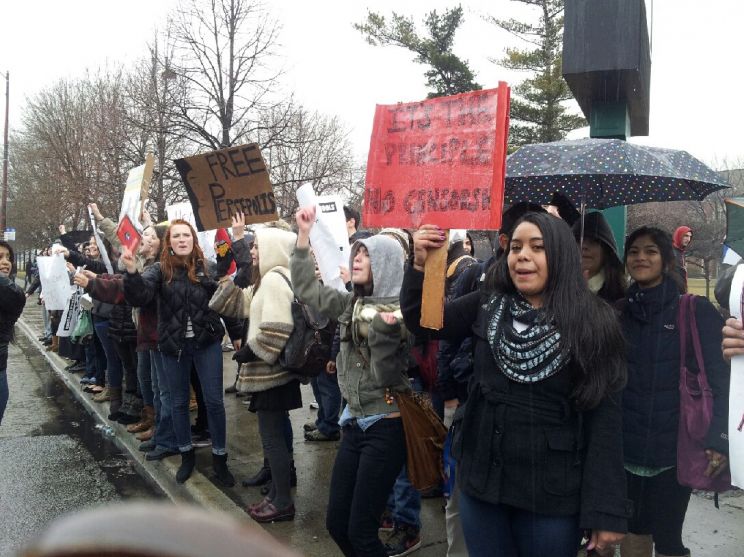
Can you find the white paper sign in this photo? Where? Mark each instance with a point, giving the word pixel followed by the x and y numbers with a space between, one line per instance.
pixel 328 236
pixel 736 391
pixel 130 205
pixel 99 243
pixel 206 238
pixel 71 314
pixel 55 282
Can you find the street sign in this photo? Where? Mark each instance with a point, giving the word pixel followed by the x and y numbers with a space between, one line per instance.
pixel 10 234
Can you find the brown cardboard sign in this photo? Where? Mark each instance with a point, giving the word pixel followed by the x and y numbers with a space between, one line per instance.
pixel 220 183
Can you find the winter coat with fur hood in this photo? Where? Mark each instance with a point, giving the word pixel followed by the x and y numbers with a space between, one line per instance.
pixel 366 366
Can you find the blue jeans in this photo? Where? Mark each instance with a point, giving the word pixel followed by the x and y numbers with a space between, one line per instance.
pixel 144 377
pixel 208 363
pixel 114 371
pixel 504 531
pixel 328 396
pixel 404 503
pixel 4 393
pixel 165 436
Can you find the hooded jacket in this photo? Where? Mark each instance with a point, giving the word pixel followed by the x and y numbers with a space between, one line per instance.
pixel 597 228
pixel 368 365
pixel 268 307
pixel 679 250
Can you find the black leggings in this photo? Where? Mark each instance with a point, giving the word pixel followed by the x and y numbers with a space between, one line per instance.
pixel 660 505
pixel 367 464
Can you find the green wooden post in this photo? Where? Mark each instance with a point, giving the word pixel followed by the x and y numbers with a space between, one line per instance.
pixel 611 121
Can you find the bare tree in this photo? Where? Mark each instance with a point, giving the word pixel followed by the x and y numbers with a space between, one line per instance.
pixel 225 50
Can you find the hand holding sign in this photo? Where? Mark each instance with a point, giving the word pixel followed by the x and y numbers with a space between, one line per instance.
pixel 428 237
pixel 127 258
pixel 128 234
pixel 305 218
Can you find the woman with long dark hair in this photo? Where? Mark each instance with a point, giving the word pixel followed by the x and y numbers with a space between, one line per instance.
pixel 538 442
pixel 189 333
pixel 12 300
pixel 651 401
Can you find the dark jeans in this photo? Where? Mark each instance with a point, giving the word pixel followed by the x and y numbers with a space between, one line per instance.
pixel 271 425
pixel 95 360
pixel 659 505
pixel 366 466
pixel 202 420
pixel 114 370
pixel 328 396
pixel 165 436
pixel 4 393
pixel 144 377
pixel 505 531
pixel 208 363
pixel 127 352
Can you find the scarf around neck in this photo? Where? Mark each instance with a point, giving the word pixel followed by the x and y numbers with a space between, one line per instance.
pixel 528 356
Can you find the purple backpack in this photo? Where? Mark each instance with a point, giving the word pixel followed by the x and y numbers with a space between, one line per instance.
pixel 695 409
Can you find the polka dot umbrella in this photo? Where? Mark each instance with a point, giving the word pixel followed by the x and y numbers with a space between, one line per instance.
pixel 602 173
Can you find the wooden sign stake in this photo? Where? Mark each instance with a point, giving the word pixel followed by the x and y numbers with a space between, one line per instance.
pixel 432 302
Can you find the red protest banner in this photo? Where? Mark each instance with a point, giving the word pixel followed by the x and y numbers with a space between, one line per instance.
pixel 440 161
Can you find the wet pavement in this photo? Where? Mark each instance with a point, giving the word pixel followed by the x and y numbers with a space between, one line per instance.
pixel 53 460
pixel 707 531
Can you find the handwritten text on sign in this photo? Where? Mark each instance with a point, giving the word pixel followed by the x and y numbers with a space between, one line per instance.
pixel 439 161
pixel 220 183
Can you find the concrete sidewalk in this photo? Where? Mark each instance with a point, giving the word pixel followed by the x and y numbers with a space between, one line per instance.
pixel 314 462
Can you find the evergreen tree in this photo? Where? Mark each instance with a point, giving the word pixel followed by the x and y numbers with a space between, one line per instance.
pixel 538 110
pixel 448 74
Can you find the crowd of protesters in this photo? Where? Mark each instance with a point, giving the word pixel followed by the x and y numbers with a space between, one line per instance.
pixel 556 370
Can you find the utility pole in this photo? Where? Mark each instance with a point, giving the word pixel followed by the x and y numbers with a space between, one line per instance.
pixel 4 211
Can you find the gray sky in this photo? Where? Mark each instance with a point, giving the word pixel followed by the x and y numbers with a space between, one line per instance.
pixel 696 82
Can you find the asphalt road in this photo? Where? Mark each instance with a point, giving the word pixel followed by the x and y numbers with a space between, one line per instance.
pixel 53 460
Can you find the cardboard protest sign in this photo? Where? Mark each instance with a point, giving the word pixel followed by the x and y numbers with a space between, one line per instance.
pixel 128 234
pixel 439 161
pixel 185 212
pixel 219 183
pixel 736 390
pixel 71 314
pixel 55 282
pixel 136 191
pixel 328 237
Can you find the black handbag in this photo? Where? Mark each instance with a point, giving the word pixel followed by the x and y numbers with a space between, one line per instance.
pixel 308 348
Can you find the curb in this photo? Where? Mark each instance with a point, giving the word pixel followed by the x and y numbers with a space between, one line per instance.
pixel 198 490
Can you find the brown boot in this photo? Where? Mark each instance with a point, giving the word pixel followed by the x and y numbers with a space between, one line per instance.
pixel 146 422
pixel 634 545
pixel 54 347
pixel 147 434
pixel 103 396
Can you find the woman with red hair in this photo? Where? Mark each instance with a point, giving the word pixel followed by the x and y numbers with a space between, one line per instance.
pixel 189 333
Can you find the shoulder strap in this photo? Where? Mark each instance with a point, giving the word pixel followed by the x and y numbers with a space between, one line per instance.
pixel 688 321
pixel 453 266
pixel 278 272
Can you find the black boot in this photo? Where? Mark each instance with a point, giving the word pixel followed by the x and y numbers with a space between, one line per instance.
pixel 219 464
pixel 188 460
pixel 262 476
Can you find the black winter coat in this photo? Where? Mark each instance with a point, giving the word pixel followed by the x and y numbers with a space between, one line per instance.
pixel 525 445
pixel 651 397
pixel 177 301
pixel 12 300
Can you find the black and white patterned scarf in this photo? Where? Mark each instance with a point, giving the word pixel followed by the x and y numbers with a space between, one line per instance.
pixel 528 356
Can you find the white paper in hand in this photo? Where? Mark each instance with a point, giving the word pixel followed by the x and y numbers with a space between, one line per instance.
pixel 328 237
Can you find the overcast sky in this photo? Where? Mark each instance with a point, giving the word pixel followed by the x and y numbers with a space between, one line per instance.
pixel 696 82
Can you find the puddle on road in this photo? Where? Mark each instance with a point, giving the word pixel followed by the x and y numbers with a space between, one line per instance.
pixel 74 421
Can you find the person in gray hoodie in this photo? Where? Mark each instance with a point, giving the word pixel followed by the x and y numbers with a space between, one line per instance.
pixel 371 367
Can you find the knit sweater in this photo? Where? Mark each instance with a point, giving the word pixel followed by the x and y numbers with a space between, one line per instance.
pixel 268 308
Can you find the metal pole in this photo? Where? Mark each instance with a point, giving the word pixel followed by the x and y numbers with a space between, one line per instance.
pixel 4 212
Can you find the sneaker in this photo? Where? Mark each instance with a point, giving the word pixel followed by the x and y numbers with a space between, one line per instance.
pixel 387 524
pixel 309 426
pixel 317 435
pixel 228 348
pixel 405 539
pixel 314 405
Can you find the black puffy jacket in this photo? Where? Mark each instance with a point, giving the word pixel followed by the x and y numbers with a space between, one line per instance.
pixel 651 396
pixel 177 301
pixel 12 301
